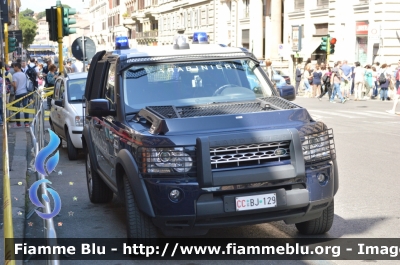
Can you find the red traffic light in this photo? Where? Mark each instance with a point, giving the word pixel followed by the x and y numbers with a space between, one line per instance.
pixel 333 41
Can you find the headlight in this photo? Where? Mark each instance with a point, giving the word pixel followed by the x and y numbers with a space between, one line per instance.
pixel 319 146
pixel 78 121
pixel 166 160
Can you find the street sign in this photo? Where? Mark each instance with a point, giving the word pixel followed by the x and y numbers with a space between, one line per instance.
pixel 78 46
pixel 374 32
pixel 281 50
pixel 296 38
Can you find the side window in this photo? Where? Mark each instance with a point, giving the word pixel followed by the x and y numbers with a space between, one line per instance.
pixel 57 90
pixel 109 92
pixel 62 89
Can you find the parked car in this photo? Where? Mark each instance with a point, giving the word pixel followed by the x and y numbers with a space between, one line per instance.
pixel 66 111
pixel 284 74
pixel 278 74
pixel 195 137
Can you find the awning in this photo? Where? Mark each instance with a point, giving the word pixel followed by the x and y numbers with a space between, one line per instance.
pixel 309 46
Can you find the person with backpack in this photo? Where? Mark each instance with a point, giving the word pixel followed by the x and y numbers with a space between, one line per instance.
pixel 383 80
pixel 19 84
pixel 32 73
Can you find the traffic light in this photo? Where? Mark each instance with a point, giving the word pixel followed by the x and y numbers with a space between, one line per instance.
pixel 325 44
pixel 332 45
pixel 68 21
pixel 12 44
pixel 51 18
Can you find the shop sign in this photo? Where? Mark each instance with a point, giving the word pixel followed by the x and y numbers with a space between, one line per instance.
pixel 361 28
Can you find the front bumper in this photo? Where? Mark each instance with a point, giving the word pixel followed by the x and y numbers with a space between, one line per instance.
pixel 208 201
pixel 75 133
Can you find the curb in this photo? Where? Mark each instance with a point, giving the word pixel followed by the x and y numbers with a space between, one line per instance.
pixel 18 174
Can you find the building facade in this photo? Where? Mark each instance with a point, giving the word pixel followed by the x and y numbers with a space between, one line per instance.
pixel 242 23
pixel 42 36
pixel 367 31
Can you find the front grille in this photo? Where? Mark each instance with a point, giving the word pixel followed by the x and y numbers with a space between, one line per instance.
pixel 249 155
pixel 281 103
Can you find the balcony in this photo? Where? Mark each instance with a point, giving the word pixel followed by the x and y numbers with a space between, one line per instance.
pixel 147 37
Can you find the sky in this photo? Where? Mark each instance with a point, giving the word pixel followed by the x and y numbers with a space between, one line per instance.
pixel 42 5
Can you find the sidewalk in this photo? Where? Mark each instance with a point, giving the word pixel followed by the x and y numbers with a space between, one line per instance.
pixel 17 145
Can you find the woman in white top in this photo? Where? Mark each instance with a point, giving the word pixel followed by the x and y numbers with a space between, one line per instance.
pixel 358 81
pixel 307 76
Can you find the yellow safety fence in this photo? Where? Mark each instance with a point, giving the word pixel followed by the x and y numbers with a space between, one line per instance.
pixel 9 258
pixel 27 109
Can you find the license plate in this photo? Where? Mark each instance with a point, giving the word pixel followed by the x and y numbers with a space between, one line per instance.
pixel 255 202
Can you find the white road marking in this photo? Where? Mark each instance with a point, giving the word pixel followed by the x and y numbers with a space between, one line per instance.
pixel 366 114
pixel 335 114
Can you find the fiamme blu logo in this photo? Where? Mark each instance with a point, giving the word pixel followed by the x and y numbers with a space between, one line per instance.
pixel 45 163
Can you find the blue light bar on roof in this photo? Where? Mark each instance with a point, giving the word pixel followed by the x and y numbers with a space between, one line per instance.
pixel 200 38
pixel 121 43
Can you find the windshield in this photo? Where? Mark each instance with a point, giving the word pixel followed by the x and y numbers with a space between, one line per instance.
pixel 76 89
pixel 185 84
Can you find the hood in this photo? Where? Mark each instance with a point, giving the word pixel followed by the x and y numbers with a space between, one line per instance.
pixel 272 112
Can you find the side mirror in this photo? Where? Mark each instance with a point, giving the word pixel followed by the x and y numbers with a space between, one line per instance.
pixel 287 92
pixel 58 103
pixel 100 107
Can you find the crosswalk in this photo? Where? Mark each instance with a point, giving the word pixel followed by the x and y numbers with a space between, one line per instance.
pixel 324 114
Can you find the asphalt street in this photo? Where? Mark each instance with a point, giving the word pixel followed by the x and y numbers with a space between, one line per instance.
pixel 367 204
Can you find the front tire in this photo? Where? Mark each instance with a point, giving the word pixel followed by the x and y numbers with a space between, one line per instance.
pixel 99 192
pixel 72 151
pixel 319 225
pixel 138 224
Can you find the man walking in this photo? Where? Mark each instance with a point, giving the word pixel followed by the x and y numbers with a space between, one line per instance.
pixel 397 76
pixel 335 80
pixel 346 80
pixel 298 78
pixel 19 84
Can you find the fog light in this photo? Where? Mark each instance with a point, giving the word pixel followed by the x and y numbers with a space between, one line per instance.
pixel 175 194
pixel 321 177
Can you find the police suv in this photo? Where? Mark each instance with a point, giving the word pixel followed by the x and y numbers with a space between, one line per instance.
pixel 194 136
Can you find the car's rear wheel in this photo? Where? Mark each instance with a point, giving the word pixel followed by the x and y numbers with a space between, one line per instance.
pixel 319 225
pixel 138 224
pixel 99 192
pixel 72 151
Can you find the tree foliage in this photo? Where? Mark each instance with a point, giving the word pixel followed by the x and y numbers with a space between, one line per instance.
pixel 29 27
pixel 41 14
pixel 27 13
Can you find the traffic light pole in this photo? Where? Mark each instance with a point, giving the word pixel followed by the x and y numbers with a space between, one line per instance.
pixel 60 36
pixel 6 42
pixel 328 50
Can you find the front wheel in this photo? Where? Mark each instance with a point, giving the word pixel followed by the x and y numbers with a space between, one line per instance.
pixel 99 192
pixel 319 225
pixel 138 224
pixel 72 151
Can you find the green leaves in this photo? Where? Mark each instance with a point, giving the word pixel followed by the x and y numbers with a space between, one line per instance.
pixel 29 27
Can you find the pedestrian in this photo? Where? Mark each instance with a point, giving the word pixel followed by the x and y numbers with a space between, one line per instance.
pixel 384 79
pixel 307 64
pixel 359 73
pixel 397 75
pixel 375 82
pixel 307 80
pixel 336 81
pixel 298 78
pixel 346 80
pixel 316 83
pixel 32 71
pixel 19 84
pixel 368 81
pixel 326 83
pixel 77 66
pixel 51 75
pixel 396 99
